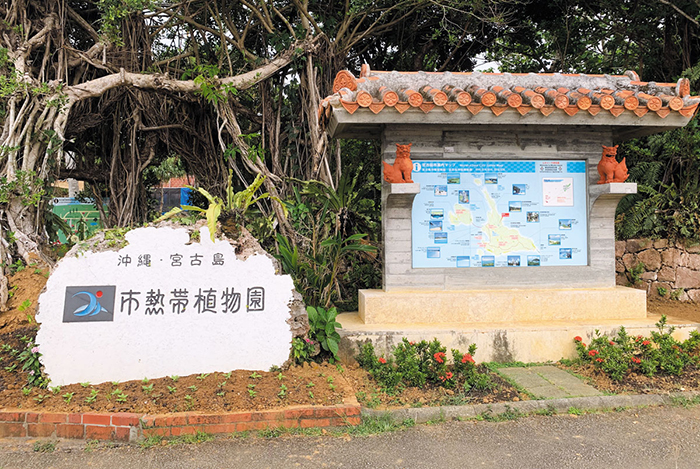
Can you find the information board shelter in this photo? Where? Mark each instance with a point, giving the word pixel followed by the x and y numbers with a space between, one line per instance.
pixel 504 220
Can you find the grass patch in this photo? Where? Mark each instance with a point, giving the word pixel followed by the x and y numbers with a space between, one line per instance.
pixel 680 401
pixel 548 412
pixel 44 446
pixel 157 440
pixel 199 437
pixel 440 419
pixel 151 441
pixel 91 445
pixel 375 425
pixel 576 411
pixel 284 431
pixel 508 415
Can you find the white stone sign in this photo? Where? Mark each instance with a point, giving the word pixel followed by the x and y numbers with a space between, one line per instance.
pixel 163 306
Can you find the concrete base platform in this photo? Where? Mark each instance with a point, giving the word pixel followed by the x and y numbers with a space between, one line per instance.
pixel 510 306
pixel 534 341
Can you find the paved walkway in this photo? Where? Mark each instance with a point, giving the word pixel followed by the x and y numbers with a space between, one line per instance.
pixel 651 438
pixel 549 382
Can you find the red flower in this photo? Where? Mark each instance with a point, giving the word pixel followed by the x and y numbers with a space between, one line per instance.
pixel 439 357
pixel 612 343
pixel 382 360
pixel 467 358
pixel 593 353
pixel 584 345
pixel 646 342
pixel 599 360
pixel 578 339
pixel 636 360
pixel 449 375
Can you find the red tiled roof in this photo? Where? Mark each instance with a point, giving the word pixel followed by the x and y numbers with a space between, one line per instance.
pixel 545 93
pixel 186 180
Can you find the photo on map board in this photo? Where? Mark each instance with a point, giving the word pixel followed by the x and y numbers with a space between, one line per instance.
pixel 463 197
pixel 433 253
pixel 453 179
pixel 435 226
pixel 440 237
pixel 533 217
pixel 565 224
pixel 515 206
pixel 440 191
pixel 490 178
pixel 488 261
pixel 462 261
pixel 437 214
pixel 514 261
pixel 533 261
pixel 554 240
pixel 519 189
pixel 565 253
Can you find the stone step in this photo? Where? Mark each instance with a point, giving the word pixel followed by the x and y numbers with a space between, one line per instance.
pixel 549 382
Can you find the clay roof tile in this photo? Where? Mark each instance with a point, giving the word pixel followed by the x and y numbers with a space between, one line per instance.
pixel 561 93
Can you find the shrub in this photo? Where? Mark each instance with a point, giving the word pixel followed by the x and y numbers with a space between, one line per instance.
pixel 323 327
pixel 415 364
pixel 623 354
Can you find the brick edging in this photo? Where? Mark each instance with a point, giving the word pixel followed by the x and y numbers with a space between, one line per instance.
pixel 131 427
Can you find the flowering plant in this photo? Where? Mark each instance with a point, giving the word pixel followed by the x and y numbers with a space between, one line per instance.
pixel 624 354
pixel 29 358
pixel 302 349
pixel 416 364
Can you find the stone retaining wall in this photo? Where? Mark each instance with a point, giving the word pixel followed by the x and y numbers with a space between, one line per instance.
pixel 664 268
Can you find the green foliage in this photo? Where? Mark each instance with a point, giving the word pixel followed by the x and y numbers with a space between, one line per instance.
pixel 323 329
pixel 316 273
pixel 635 273
pixel 29 359
pixel 423 363
pixel 235 205
pixel 114 12
pixel 660 353
pixel 676 294
pixel 302 350
pixel 26 185
pixel 44 446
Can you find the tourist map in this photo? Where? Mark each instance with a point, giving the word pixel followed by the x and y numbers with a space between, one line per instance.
pixel 505 213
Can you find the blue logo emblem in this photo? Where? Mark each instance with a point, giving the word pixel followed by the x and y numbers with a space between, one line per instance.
pixel 89 303
pixel 93 307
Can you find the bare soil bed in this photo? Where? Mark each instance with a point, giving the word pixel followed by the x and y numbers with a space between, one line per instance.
pixel 239 390
pixel 635 383
pixel 689 311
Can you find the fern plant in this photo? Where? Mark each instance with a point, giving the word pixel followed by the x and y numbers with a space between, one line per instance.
pixel 231 211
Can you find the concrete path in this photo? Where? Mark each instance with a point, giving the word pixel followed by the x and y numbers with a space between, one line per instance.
pixel 549 382
pixel 650 438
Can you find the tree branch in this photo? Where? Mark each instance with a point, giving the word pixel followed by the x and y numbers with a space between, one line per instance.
pixel 99 86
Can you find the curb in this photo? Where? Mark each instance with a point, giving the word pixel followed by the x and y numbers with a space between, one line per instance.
pixel 133 427
pixel 561 405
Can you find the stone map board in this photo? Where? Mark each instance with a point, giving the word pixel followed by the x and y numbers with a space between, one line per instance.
pixel 163 306
pixel 504 213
